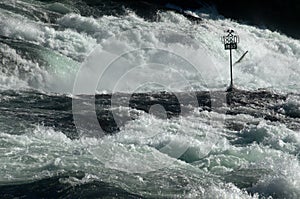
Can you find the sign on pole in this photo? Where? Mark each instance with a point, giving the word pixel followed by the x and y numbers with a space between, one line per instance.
pixel 230 42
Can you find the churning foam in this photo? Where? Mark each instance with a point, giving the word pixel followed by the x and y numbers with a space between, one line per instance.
pixel 271 62
pixel 136 151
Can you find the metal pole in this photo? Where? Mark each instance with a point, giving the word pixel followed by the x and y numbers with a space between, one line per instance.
pixel 230 42
pixel 231 82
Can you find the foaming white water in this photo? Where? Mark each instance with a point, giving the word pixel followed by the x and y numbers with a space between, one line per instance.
pixel 203 159
pixel 124 53
pixel 53 71
pixel 43 69
pixel 271 62
pixel 45 152
pixel 67 42
pixel 9 76
pixel 212 154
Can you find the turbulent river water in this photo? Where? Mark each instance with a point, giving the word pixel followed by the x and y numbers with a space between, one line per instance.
pixel 110 99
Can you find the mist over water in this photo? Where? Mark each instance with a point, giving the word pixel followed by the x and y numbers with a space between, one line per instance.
pixel 51 52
